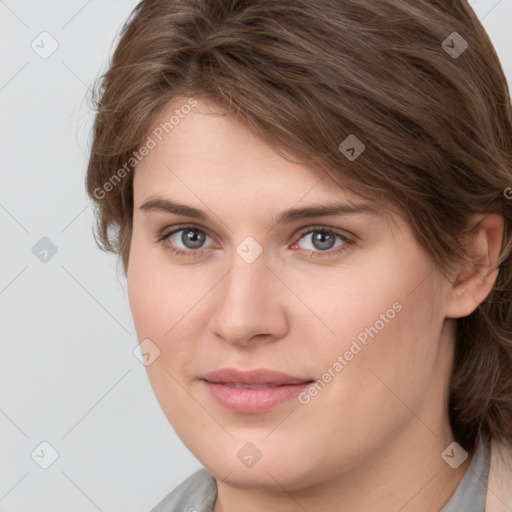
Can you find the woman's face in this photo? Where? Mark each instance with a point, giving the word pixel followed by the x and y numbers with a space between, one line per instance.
pixel 347 300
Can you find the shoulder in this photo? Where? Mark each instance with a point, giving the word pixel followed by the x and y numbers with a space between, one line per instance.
pixel 196 493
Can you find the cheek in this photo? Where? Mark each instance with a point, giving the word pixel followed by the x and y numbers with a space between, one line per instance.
pixel 393 366
pixel 387 322
pixel 160 295
pixel 161 302
pixel 167 305
pixel 362 301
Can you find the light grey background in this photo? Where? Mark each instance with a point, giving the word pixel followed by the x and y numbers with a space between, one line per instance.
pixel 68 375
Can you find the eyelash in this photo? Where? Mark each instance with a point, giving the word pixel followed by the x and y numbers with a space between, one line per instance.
pixel 180 253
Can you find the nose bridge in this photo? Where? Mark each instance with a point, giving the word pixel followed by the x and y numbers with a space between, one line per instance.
pixel 248 303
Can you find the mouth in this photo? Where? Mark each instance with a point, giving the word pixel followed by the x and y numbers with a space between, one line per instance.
pixel 254 391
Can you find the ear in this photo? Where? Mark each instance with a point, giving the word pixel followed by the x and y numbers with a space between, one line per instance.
pixel 472 285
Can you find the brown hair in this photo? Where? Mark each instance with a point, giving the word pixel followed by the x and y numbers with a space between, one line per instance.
pixel 306 74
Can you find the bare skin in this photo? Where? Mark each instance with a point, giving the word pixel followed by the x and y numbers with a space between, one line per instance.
pixel 372 438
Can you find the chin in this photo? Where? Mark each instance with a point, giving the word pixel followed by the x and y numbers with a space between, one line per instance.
pixel 281 464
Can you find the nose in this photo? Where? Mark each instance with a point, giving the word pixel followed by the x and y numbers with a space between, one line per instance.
pixel 250 305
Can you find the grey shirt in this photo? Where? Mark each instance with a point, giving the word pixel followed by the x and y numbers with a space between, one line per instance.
pixel 198 492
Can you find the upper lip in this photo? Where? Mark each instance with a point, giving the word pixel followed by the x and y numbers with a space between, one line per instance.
pixel 257 376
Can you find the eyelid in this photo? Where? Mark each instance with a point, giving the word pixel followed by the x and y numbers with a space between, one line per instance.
pixel 319 227
pixel 302 231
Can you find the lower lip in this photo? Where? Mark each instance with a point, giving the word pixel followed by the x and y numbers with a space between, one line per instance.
pixel 254 400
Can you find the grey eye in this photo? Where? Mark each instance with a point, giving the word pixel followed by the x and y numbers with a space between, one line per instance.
pixel 190 238
pixel 321 239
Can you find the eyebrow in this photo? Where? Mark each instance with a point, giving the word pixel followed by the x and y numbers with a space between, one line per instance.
pixel 285 217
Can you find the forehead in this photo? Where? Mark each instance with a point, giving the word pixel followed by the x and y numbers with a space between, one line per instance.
pixel 204 151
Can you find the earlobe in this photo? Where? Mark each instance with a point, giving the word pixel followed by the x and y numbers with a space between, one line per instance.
pixel 472 285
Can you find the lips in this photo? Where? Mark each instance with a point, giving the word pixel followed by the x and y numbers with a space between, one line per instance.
pixel 252 391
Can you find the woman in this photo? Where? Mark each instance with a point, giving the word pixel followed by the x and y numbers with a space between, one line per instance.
pixel 310 203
